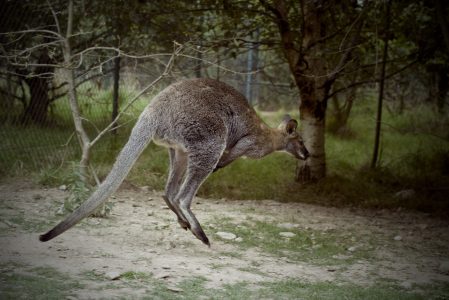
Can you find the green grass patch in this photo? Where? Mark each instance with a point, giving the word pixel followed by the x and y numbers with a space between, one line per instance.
pixel 19 282
pixel 311 246
pixel 295 289
pixel 18 219
pixel 131 275
pixel 320 291
pixel 37 283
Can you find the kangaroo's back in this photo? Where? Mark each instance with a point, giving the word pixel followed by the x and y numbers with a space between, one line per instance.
pixel 204 93
pixel 196 109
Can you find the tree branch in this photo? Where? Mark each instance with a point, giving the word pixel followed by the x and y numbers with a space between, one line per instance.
pixel 169 65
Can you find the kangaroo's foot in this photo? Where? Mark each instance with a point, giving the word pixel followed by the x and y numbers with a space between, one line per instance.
pixel 199 233
pixel 195 226
pixel 181 218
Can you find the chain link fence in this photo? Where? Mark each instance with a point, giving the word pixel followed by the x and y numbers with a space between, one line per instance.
pixel 34 142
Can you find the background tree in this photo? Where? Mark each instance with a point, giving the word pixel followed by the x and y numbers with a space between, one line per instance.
pixel 310 34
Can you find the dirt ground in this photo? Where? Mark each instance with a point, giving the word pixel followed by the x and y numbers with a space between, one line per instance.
pixel 410 250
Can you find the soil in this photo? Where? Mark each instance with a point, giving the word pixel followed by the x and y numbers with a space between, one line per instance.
pixel 142 235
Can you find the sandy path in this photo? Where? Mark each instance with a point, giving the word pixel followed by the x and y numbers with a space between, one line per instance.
pixel 142 235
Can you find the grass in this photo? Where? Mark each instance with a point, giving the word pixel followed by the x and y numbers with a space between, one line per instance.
pixel 195 288
pixel 293 289
pixel 22 282
pixel 414 155
pixel 311 246
pixel 18 218
pixel 37 283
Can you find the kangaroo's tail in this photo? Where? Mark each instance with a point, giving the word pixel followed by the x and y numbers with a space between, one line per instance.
pixel 140 137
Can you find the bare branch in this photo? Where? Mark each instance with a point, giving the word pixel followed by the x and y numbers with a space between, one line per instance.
pixel 55 17
pixel 33 31
pixel 375 80
pixel 169 65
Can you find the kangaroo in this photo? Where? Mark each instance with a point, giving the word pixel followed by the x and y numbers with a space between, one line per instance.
pixel 206 125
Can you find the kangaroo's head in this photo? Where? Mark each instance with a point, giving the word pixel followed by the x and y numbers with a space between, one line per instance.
pixel 292 139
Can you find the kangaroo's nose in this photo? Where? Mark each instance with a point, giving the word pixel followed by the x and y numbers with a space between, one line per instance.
pixel 306 154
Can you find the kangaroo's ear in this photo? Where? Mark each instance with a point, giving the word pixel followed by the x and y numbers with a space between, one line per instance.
pixel 288 124
pixel 291 126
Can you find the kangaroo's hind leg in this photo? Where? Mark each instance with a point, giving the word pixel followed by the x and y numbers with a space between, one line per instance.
pixel 200 164
pixel 178 165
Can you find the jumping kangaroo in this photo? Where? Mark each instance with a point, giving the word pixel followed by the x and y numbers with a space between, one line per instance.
pixel 206 125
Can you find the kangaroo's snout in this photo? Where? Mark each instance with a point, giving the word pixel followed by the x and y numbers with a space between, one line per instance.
pixel 304 154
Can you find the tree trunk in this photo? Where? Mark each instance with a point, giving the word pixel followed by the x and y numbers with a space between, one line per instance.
pixel 442 88
pixel 309 72
pixel 342 112
pixel 74 107
pixel 36 110
pixel 115 92
pixel 312 130
pixel 308 69
pixel 381 88
pixel 312 75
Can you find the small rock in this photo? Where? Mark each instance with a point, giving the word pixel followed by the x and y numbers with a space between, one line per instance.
pixel 422 226
pixel 136 205
pixel 162 275
pixel 145 189
pixel 226 235
pixel 62 187
pixel 287 234
pixel 164 207
pixel 406 285
pixel 150 199
pixel 288 225
pixel 174 289
pixel 398 238
pixel 239 239
pixel 444 267
pixel 166 267
pixel 150 213
pixel 9 224
pixel 171 245
pixel 112 275
pixel 405 194
pixel 352 248
pixel 37 196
